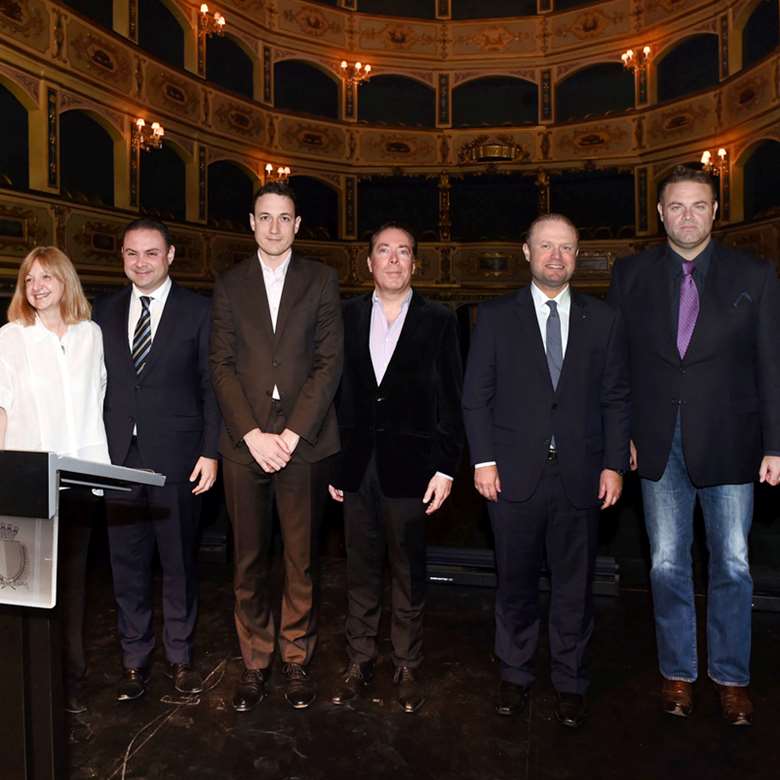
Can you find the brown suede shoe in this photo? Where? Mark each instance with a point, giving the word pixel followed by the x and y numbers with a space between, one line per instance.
pixel 677 697
pixel 735 705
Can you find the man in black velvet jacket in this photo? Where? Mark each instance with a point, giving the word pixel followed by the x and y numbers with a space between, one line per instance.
pixel 401 429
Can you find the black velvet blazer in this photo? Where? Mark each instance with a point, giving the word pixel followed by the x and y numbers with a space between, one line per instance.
pixel 412 420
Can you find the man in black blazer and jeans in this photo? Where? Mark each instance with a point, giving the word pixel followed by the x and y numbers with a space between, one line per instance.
pixel 401 430
pixel 160 413
pixel 546 407
pixel 702 323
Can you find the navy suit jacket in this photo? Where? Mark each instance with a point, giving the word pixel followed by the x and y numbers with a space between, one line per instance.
pixel 727 387
pixel 411 421
pixel 172 402
pixel 511 410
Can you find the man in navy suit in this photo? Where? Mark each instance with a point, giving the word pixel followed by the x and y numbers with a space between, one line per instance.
pixel 702 323
pixel 546 407
pixel 402 434
pixel 160 413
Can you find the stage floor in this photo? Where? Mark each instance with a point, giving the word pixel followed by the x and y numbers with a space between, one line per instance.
pixel 456 736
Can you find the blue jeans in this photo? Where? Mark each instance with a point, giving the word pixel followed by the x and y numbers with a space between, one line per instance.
pixel 728 512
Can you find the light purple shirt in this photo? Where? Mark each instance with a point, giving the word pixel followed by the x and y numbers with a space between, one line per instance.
pixel 383 339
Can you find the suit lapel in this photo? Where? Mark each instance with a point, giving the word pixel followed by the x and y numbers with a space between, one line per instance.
pixel 166 329
pixel 120 328
pixel 293 290
pixel 256 297
pixel 718 286
pixel 363 335
pixel 575 349
pixel 526 313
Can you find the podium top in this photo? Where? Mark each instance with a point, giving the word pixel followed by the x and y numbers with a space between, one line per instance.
pixel 30 480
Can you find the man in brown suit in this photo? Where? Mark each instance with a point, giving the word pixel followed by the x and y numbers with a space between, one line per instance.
pixel 276 358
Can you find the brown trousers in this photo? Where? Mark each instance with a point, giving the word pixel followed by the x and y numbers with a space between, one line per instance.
pixel 299 490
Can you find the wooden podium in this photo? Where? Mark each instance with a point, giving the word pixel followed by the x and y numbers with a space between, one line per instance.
pixel 32 718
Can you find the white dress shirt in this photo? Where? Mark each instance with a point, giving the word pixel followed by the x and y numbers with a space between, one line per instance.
pixel 274 286
pixel 156 306
pixel 52 389
pixel 383 339
pixel 563 299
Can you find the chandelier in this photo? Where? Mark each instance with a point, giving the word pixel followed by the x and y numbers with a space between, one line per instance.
pixel 355 72
pixel 146 137
pixel 210 24
pixel 636 61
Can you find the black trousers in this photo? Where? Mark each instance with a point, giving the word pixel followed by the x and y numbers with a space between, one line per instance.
pixel 77 508
pixel 148 518
pixel 525 531
pixel 376 525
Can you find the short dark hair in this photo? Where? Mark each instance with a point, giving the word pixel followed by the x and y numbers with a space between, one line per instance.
pixel 682 173
pixel 276 188
pixel 147 223
pixel 552 217
pixel 397 226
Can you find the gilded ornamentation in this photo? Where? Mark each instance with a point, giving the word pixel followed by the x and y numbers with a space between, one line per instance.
pixel 400 37
pixel 589 24
pixel 313 139
pixel 398 147
pixel 639 132
pixel 100 57
pixel 172 92
pixel 30 84
pixel 312 21
pixel 493 38
pixel 27 22
pixel 244 122
pixel 593 139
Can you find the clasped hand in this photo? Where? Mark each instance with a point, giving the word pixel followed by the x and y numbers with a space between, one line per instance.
pixel 272 451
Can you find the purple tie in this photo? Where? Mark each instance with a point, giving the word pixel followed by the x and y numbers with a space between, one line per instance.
pixel 689 309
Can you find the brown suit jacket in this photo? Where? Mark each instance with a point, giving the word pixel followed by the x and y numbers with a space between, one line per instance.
pixel 303 358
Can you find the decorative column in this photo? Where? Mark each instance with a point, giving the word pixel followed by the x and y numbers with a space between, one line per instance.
pixel 543 192
pixel 443 9
pixel 443 101
pixel 445 216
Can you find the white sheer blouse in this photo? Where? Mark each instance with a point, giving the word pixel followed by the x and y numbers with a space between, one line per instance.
pixel 52 389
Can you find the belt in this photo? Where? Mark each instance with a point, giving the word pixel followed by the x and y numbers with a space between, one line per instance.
pixel 552 455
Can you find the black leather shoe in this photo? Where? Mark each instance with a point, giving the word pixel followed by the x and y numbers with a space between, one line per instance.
pixel 410 693
pixel 300 691
pixel 571 710
pixel 250 691
pixel 185 678
pixel 356 677
pixel 512 698
pixel 133 684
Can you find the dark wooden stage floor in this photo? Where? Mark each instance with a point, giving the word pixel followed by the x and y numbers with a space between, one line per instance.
pixel 456 736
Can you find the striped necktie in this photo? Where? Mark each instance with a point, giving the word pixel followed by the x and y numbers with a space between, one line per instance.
pixel 689 308
pixel 142 338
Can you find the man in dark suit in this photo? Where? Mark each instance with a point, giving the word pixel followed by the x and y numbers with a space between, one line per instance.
pixel 276 357
pixel 546 408
pixel 400 422
pixel 702 323
pixel 161 414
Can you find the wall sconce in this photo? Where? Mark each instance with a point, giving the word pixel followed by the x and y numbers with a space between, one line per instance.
pixel 146 137
pixel 281 173
pixel 210 24
pixel 636 61
pixel 714 168
pixel 355 72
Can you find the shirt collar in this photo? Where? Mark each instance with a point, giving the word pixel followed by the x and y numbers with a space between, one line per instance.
pixel 703 260
pixel 160 294
pixel 280 271
pixel 563 298
pixel 376 300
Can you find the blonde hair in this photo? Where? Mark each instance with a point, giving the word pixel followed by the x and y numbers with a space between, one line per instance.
pixel 74 306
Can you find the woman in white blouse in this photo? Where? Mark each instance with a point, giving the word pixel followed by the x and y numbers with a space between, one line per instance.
pixel 52 384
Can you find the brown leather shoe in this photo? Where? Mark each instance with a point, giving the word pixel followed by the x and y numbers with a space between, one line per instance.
pixel 677 697
pixel 735 705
